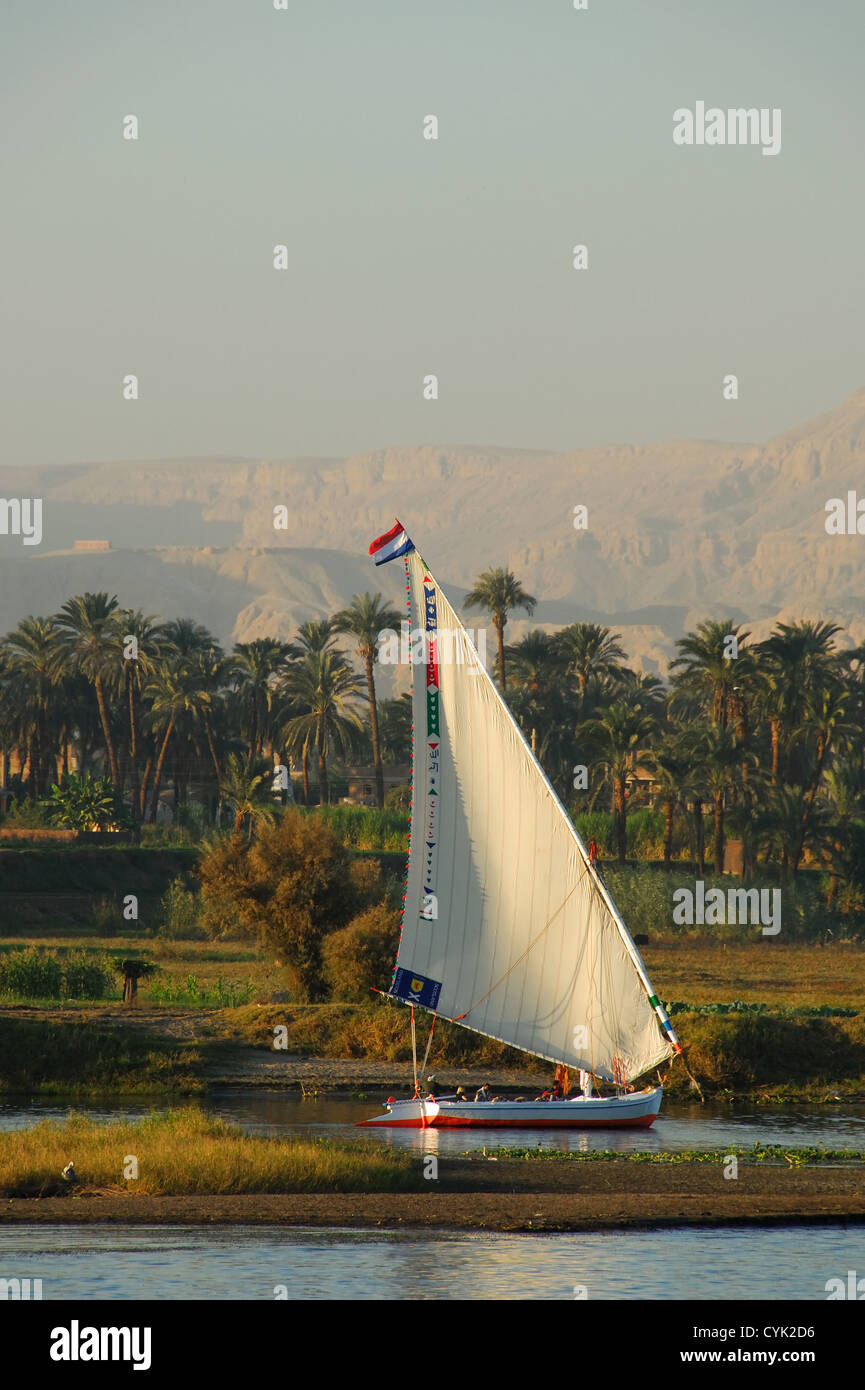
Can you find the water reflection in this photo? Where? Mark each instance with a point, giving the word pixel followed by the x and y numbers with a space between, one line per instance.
pixel 678 1127
pixel 250 1263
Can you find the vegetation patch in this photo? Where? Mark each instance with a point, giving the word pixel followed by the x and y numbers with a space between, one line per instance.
pixel 70 1057
pixel 40 974
pixel 183 1152
pixel 767 1155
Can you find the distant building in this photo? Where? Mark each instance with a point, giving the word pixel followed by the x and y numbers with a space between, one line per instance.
pixel 361 782
pixel 91 545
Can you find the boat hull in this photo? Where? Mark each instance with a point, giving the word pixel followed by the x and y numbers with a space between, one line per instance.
pixel 637 1110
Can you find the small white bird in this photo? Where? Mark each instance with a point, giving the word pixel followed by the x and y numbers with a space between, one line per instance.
pixel 69 1172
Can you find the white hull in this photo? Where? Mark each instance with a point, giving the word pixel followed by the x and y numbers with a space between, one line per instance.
pixel 635 1110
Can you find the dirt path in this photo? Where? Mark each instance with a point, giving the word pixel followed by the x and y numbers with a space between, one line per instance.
pixel 236 1064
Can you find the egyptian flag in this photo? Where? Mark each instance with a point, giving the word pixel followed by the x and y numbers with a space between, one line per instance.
pixel 394 543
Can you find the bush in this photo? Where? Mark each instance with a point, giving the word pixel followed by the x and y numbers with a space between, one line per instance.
pixel 361 955
pixel 28 815
pixel 179 914
pixel 36 974
pixel 86 976
pixel 31 974
pixel 89 803
pixel 105 917
pixel 287 889
pixel 398 798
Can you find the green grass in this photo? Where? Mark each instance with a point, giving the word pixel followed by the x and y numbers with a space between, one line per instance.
pixel 71 1057
pixel 183 1152
pixel 367 828
pixel 166 989
pixel 767 1155
pixel 52 974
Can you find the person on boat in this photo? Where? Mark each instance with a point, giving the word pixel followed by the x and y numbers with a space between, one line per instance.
pixel 586 1083
pixel 434 1088
pixel 461 1095
pixel 484 1092
pixel 553 1092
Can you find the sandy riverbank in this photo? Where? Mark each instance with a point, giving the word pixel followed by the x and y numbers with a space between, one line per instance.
pixel 510 1195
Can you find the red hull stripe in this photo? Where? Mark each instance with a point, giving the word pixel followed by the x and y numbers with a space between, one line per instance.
pixel 639 1122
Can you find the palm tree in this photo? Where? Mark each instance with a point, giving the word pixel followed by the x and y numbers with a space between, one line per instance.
pixel 258 666
pixel 30 654
pixel 539 667
pixel 795 659
pixel 784 828
pixel 210 673
pixel 395 728
pixel 621 731
pixel 170 697
pixel 316 635
pixel 321 688
pixel 148 633
pixel 590 651
pixel 368 616
pixel 670 766
pixel 719 753
pixel 247 783
pixel 88 630
pixel 706 672
pixel 499 592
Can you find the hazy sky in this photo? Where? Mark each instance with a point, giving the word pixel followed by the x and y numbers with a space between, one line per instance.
pixel 410 256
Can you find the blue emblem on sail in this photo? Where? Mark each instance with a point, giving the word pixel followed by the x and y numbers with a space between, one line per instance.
pixel 416 989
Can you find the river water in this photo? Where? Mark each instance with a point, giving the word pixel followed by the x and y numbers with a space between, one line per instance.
pixel 87 1262
pixel 792 1263
pixel 677 1127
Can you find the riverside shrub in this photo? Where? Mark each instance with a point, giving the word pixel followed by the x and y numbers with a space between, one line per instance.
pixel 287 889
pixel 360 956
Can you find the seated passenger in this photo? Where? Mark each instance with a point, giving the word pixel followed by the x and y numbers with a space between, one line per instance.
pixel 484 1092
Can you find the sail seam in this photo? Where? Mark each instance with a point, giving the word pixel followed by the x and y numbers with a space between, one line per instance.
pixel 521 958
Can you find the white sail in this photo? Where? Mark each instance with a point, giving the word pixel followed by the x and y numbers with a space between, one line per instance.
pixel 507 928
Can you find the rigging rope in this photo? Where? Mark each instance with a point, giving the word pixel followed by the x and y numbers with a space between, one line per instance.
pixel 521 958
pixel 414 1053
pixel 428 1045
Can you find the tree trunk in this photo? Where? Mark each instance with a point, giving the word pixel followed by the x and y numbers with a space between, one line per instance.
pixel 106 730
pixel 158 778
pixel 668 833
pixel 719 831
pixel 775 726
pixel 145 784
pixel 699 838
pixel 323 789
pixel 133 751
pixel 621 817
pixel 499 624
pixel 211 745
pixel 305 775
pixel 376 748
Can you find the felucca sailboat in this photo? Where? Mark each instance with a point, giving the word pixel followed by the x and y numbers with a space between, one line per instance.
pixel 508 929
